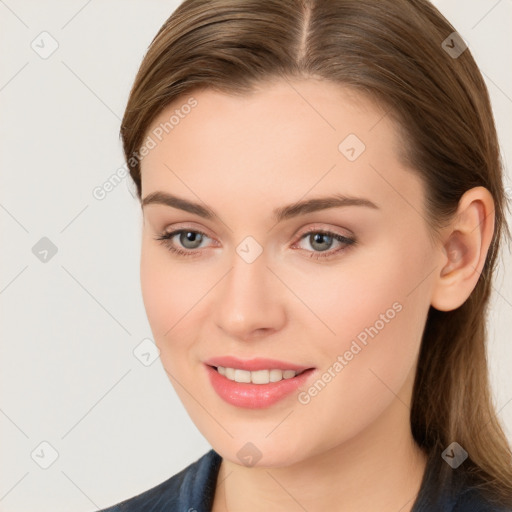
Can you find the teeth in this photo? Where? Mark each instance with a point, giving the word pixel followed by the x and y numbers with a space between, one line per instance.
pixel 242 376
pixel 256 377
pixel 260 377
pixel 275 375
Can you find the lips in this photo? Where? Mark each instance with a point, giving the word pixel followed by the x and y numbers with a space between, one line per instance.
pixel 250 395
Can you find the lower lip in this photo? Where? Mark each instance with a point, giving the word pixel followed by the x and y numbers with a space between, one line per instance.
pixel 254 396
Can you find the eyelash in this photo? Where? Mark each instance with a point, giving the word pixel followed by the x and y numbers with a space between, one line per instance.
pixel 165 239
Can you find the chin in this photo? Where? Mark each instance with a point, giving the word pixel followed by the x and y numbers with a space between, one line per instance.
pixel 264 453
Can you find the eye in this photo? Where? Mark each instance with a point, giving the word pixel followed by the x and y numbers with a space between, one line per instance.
pixel 322 240
pixel 189 238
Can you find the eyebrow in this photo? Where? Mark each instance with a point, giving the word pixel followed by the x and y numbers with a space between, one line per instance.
pixel 279 214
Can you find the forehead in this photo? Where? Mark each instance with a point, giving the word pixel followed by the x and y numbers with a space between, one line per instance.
pixel 286 107
pixel 286 137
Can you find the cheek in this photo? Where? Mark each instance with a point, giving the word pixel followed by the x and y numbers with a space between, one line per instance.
pixel 166 291
pixel 155 286
pixel 366 292
pixel 371 373
pixel 378 314
pixel 173 293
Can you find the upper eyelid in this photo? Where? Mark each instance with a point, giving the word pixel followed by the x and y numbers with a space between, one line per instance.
pixel 315 226
pixel 319 228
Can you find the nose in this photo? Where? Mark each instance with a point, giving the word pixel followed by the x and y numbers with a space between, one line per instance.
pixel 251 301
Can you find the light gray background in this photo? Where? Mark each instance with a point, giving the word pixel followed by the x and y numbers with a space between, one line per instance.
pixel 69 326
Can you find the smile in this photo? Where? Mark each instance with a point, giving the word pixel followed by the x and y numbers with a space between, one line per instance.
pixel 257 383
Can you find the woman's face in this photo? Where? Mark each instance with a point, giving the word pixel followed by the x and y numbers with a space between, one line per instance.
pixel 263 283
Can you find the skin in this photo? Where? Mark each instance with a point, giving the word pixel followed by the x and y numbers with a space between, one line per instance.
pixel 350 448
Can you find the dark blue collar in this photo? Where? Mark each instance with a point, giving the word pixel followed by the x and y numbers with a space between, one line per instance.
pixel 443 489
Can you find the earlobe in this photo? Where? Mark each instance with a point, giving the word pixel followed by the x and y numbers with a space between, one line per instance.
pixel 464 250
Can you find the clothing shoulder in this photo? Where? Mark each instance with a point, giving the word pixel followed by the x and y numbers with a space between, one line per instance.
pixel 444 489
pixel 190 489
pixel 471 500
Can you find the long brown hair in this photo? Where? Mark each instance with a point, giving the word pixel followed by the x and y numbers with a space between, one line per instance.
pixel 392 51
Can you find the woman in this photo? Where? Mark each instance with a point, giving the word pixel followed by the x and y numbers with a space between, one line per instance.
pixel 323 206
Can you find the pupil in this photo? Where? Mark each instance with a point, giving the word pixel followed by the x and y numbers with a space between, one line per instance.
pixel 318 238
pixel 190 237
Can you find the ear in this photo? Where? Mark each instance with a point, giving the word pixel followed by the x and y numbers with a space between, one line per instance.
pixel 463 250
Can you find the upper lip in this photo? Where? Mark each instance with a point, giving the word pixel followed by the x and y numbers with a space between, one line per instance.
pixel 258 363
